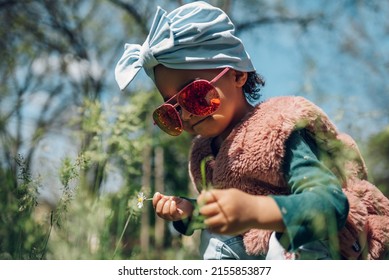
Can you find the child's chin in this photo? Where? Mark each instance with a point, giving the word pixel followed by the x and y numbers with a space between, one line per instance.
pixel 206 134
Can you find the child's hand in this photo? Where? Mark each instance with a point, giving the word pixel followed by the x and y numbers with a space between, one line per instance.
pixel 172 208
pixel 233 212
pixel 226 211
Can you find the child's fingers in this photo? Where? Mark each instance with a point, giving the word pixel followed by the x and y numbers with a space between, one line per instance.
pixel 206 197
pixel 175 212
pixel 216 222
pixel 210 209
pixel 160 205
pixel 166 208
pixel 169 210
pixel 169 207
pixel 157 196
pixel 173 209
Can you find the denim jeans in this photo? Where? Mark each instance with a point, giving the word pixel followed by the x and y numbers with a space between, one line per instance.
pixel 223 247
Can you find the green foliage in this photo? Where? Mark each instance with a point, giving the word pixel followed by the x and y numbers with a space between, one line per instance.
pixel 377 158
pixel 103 224
pixel 83 224
pixel 93 222
pixel 84 231
pixel 20 235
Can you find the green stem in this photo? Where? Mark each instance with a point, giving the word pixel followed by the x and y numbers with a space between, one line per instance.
pixel 121 236
pixel 203 171
pixel 124 230
pixel 48 234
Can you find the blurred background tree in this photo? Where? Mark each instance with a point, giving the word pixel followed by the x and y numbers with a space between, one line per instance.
pixel 75 151
pixel 378 159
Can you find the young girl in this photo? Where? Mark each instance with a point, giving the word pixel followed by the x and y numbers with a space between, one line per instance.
pixel 277 169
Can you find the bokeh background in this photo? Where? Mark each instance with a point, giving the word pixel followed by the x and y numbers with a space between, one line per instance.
pixel 75 151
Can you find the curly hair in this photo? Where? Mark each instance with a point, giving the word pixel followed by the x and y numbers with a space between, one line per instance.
pixel 253 86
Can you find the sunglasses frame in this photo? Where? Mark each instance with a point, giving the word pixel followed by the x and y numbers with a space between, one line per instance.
pixel 168 106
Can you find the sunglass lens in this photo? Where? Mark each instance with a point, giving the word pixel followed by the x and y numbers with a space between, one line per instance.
pixel 199 98
pixel 167 118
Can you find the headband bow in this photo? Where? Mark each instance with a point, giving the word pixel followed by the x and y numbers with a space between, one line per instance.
pixel 193 36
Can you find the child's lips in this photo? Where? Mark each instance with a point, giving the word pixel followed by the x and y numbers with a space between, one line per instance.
pixel 199 122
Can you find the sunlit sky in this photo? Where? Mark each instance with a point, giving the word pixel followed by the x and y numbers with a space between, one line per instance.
pixel 342 85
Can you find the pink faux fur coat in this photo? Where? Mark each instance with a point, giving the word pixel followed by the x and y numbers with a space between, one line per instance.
pixel 251 157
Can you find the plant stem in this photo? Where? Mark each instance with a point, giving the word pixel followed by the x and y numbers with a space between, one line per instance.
pixel 48 235
pixel 121 236
pixel 204 171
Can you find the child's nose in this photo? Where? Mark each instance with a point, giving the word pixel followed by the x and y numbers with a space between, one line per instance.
pixel 185 115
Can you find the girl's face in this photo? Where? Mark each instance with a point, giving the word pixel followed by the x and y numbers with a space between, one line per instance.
pixel 233 105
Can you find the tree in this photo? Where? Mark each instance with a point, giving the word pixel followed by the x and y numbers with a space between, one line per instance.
pixel 378 159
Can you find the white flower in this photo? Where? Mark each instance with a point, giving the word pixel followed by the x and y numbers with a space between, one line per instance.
pixel 141 199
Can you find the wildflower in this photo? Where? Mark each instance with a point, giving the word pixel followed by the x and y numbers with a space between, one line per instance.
pixel 141 199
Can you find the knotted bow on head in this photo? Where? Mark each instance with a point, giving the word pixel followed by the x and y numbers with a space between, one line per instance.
pixel 193 36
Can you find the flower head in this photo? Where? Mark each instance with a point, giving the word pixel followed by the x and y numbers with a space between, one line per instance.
pixel 141 199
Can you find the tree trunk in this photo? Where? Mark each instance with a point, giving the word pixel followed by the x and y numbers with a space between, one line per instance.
pixel 159 187
pixel 145 220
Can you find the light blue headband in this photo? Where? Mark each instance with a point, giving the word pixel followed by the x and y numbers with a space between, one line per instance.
pixel 193 36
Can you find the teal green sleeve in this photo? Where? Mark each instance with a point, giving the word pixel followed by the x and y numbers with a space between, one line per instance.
pixel 182 226
pixel 317 207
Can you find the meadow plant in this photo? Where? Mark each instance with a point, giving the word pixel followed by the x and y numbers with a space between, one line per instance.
pixel 20 236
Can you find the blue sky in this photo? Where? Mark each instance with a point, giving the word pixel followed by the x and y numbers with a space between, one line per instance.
pixel 310 63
